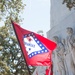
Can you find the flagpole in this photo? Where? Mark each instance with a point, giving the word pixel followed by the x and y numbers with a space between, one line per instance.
pixel 21 48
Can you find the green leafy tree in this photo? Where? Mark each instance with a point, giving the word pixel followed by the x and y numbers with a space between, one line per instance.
pixel 4 69
pixel 69 3
pixel 12 61
pixel 11 8
pixel 11 57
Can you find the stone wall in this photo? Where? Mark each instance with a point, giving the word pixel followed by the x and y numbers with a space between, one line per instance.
pixel 62 31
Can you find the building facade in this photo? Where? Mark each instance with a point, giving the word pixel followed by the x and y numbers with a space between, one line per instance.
pixel 62 31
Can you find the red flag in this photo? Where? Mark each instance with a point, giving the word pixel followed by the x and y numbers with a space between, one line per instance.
pixel 36 49
pixel 36 73
pixel 49 70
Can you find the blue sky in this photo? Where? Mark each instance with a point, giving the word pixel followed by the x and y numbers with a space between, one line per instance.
pixel 36 15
